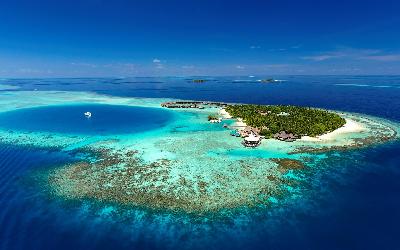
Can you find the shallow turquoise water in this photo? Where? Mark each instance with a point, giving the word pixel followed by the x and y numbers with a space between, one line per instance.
pixel 70 119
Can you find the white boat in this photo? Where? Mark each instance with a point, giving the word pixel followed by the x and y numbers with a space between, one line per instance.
pixel 88 114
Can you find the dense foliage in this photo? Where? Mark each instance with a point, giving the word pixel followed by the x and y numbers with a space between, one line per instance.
pixel 301 121
pixel 212 117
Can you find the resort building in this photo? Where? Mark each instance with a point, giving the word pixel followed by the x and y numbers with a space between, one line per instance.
pixel 284 136
pixel 247 131
pixel 283 114
pixel 252 141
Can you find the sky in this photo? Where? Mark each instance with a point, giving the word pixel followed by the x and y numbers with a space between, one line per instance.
pixel 120 38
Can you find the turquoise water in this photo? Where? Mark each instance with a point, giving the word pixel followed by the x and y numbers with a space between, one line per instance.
pixel 70 119
pixel 350 200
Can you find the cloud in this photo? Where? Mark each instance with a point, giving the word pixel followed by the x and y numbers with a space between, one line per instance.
pixel 349 53
pixel 34 71
pixel 296 46
pixel 383 58
pixel 187 67
pixel 255 47
pixel 319 58
pixel 277 50
pixel 275 66
pixel 240 67
pixel 158 64
pixel 84 64
pixel 323 57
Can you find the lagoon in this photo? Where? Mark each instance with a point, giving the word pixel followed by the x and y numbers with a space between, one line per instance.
pixel 70 119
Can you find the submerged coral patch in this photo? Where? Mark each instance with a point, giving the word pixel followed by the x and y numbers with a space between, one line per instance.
pixel 123 178
pixel 285 165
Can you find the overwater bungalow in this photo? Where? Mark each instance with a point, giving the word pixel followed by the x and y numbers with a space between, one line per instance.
pixel 252 141
pixel 192 104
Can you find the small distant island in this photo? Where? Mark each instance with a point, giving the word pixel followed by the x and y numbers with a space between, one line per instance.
pixel 269 80
pixel 199 80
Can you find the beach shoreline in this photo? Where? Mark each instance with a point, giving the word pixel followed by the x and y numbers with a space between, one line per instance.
pixel 351 126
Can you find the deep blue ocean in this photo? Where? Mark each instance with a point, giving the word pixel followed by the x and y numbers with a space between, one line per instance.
pixel 355 201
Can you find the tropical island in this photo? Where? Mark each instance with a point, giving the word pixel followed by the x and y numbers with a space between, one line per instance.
pixel 256 122
pixel 274 119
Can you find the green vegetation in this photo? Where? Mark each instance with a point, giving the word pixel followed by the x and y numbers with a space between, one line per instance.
pixel 212 117
pixel 300 121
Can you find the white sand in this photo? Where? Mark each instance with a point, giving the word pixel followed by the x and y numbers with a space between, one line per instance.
pixel 224 114
pixel 351 126
pixel 239 123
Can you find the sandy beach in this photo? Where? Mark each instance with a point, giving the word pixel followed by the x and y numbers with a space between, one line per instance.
pixel 351 126
pixel 224 114
pixel 239 123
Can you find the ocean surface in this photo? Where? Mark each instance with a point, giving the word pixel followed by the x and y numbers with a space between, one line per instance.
pixel 354 202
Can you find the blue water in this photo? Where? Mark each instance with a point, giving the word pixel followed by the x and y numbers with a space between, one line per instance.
pixel 352 200
pixel 70 119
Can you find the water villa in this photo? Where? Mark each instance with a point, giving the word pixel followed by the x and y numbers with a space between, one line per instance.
pixel 193 104
pixel 252 141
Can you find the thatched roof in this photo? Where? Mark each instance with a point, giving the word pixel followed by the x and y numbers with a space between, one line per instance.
pixel 283 135
pixel 252 138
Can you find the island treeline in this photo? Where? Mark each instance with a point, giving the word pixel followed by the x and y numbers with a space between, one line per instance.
pixel 301 121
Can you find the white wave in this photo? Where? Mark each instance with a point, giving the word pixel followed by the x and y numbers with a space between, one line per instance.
pixel 367 85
